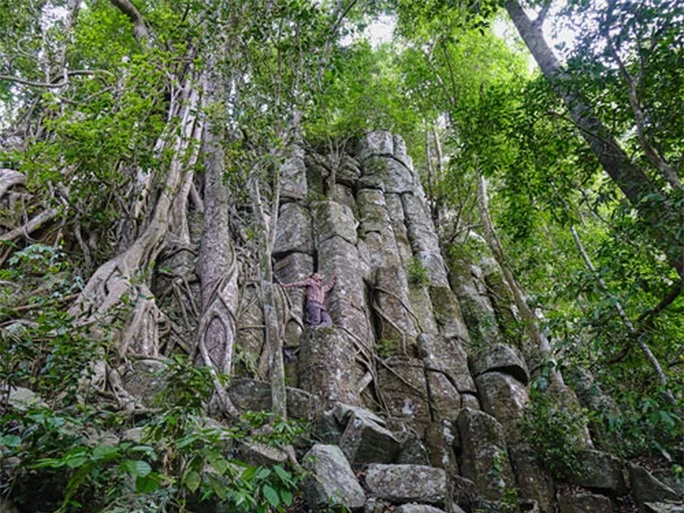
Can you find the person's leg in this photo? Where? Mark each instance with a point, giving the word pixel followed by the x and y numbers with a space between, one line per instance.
pixel 326 320
pixel 313 313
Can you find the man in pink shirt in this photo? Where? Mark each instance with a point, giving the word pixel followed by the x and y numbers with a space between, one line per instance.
pixel 316 315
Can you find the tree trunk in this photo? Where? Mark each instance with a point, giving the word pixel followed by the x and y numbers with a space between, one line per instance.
pixel 218 261
pixel 274 344
pixel 662 218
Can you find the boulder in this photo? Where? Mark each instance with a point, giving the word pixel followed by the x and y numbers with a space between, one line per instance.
pixel 600 471
pixel 433 264
pixel 534 481
pixel 381 249
pixel 404 387
pixel 347 300
pixel 504 398
pixel 364 441
pixel 327 365
pixel 412 450
pixel 476 307
pixel 646 488
pixel 370 182
pixel 584 503
pixel 484 458
pixel 407 483
pixel 331 218
pixel 260 454
pixel 422 308
pixel 134 435
pixel 330 481
pixel 464 492
pixel 395 208
pixel 295 230
pixel 501 358
pixel 22 399
pixel 377 142
pixel 249 337
pixel 143 380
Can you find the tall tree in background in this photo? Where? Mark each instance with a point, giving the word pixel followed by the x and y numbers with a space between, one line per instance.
pixel 660 209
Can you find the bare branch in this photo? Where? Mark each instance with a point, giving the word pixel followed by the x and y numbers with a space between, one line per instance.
pixel 63 82
pixel 35 223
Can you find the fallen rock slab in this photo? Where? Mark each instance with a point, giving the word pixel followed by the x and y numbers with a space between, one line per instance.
pixel 364 441
pixel 331 481
pixel 600 471
pixel 400 484
pixel 646 488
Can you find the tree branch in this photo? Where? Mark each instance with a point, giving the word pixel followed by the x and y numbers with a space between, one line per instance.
pixel 61 83
pixel 139 27
pixel 633 332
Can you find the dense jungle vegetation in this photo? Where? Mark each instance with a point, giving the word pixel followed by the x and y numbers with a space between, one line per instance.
pixel 123 120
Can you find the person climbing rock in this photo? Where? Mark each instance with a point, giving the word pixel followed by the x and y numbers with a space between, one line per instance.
pixel 316 314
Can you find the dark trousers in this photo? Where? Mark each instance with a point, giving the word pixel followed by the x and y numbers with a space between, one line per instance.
pixel 316 315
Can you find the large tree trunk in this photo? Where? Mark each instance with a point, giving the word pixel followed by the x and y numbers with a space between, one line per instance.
pixel 267 226
pixel 218 261
pixel 663 219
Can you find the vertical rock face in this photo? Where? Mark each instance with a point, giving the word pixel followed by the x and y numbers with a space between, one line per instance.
pixel 326 365
pixel 484 459
pixel 428 346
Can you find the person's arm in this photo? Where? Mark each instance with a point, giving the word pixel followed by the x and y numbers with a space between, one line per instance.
pixel 303 283
pixel 331 282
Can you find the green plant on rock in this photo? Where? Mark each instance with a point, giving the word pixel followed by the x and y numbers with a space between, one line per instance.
pixel 554 431
pixel 386 347
pixel 417 273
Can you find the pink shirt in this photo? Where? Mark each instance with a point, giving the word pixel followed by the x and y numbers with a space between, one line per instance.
pixel 315 290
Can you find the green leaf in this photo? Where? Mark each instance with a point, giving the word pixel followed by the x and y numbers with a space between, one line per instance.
pixel 286 496
pixel 104 452
pixel 137 468
pixel 271 495
pixel 192 480
pixel 218 462
pixel 146 484
pixel 283 474
pixel 263 473
pixel 76 461
pixel 10 441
